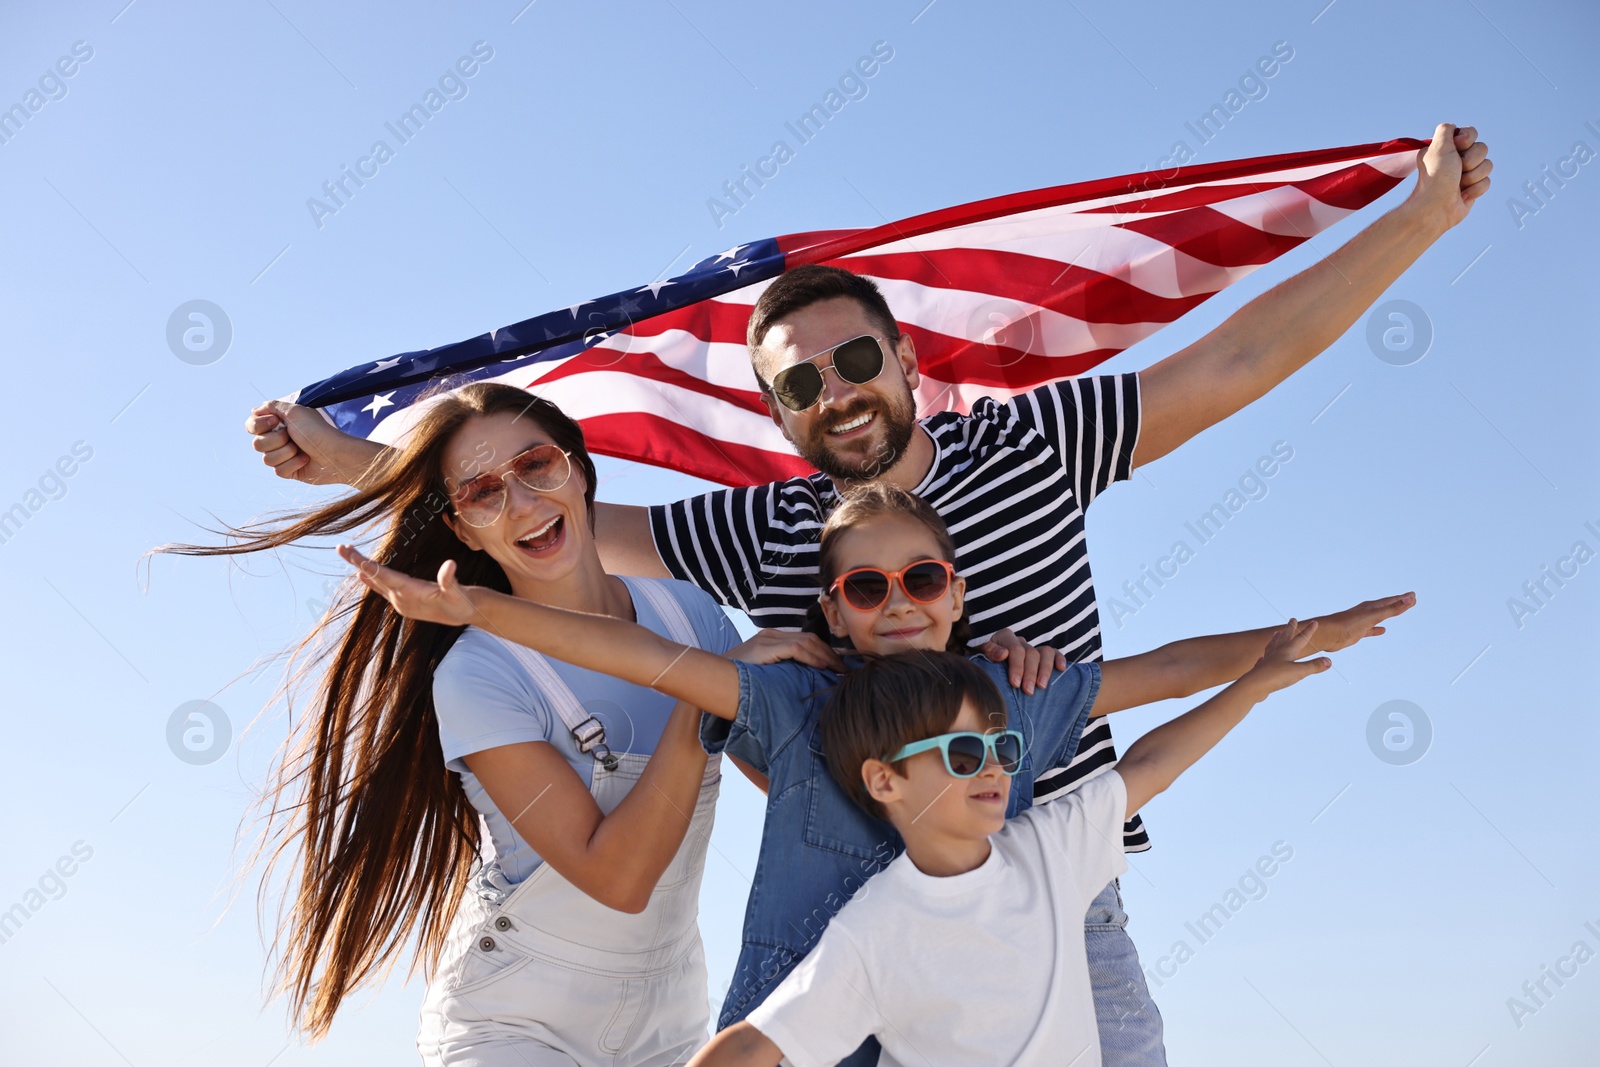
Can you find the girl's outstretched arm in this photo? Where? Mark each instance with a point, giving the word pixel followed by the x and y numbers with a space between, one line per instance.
pixel 1183 668
pixel 616 647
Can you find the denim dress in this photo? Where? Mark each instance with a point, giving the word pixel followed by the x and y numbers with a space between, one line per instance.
pixel 818 849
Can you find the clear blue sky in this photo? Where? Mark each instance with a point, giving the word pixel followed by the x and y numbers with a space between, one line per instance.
pixel 175 163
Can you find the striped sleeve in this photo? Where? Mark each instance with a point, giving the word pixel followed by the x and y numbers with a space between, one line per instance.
pixel 1093 424
pixel 714 541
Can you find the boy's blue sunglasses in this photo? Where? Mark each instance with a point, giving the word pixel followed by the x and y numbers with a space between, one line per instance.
pixel 966 752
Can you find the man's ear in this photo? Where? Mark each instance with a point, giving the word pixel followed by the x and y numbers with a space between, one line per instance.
pixel 767 397
pixel 775 410
pixel 882 783
pixel 906 352
pixel 830 611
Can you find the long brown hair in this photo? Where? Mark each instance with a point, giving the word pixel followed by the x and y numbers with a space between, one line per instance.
pixel 381 835
pixel 863 502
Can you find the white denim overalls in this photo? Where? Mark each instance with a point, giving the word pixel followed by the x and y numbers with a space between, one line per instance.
pixel 541 974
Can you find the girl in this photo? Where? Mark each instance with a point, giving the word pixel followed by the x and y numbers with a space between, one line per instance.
pixel 577 944
pixel 887 566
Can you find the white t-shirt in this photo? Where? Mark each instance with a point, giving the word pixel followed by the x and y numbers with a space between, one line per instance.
pixel 986 967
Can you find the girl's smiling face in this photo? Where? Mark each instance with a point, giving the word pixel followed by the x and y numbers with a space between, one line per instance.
pixel 890 542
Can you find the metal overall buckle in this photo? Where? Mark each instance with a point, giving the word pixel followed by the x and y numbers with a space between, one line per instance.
pixel 593 741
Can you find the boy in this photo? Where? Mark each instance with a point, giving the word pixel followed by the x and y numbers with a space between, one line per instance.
pixel 939 955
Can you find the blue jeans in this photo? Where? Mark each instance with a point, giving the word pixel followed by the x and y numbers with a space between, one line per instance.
pixel 1130 1022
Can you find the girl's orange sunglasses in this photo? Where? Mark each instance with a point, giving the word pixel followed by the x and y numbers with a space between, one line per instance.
pixel 867 588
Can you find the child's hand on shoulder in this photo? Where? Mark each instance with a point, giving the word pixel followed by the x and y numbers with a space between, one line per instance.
pixel 773 646
pixel 1030 665
pixel 1280 665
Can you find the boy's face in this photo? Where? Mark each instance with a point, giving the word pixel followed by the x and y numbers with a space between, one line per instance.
pixel 900 624
pixel 931 802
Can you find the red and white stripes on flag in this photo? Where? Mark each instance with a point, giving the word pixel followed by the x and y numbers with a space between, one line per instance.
pixel 999 296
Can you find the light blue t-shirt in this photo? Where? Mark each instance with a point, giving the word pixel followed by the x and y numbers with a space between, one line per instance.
pixel 484 699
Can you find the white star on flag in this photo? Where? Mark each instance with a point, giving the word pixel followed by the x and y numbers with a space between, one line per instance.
pixel 380 402
pixel 732 252
pixel 385 364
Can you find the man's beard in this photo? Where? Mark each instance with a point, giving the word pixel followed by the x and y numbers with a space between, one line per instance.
pixel 898 417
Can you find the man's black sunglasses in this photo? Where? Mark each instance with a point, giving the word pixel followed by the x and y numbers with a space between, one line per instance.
pixel 857 361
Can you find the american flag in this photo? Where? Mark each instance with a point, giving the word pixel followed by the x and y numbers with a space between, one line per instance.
pixel 999 296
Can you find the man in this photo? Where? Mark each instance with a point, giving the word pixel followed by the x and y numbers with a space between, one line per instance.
pixel 1011 480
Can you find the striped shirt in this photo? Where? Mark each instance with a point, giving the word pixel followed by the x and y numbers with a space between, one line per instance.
pixel 1011 481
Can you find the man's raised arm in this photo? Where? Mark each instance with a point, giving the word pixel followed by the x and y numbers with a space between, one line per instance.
pixel 298 443
pixel 1281 330
pixel 622 534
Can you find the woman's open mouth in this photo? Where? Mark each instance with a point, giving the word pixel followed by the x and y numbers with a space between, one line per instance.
pixel 544 540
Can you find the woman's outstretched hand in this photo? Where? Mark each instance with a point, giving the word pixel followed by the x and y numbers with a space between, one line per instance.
pixel 445 601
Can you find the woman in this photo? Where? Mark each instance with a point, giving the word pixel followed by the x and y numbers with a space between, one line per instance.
pixel 578 943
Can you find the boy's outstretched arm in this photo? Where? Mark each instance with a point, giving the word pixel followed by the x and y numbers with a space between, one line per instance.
pixel 1183 668
pixel 1155 760
pixel 740 1045
pixel 616 647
